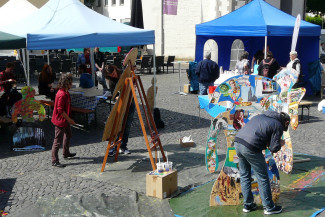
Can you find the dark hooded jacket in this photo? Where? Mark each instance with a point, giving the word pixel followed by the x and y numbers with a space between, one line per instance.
pixel 207 71
pixel 262 131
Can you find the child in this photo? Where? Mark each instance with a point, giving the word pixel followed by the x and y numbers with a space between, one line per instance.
pixel 62 121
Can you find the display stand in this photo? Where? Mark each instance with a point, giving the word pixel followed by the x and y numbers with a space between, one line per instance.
pixel 179 77
pixel 118 118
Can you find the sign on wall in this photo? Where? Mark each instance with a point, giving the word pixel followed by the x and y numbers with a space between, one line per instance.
pixel 170 7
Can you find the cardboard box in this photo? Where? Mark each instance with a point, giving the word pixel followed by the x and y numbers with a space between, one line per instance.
pixel 186 88
pixel 186 144
pixel 161 186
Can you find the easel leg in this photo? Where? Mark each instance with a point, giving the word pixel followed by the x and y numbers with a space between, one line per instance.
pixel 106 155
pixel 141 123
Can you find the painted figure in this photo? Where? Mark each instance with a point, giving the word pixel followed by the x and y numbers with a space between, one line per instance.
pixel 239 119
pixel 27 105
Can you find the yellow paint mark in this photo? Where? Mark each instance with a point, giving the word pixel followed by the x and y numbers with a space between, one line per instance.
pixel 231 155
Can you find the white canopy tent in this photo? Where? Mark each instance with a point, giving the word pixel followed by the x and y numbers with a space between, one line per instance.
pixel 62 24
pixel 15 10
pixel 12 11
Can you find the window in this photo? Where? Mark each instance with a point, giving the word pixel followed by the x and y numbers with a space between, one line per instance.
pixel 237 49
pixel 106 2
pixel 98 3
pixel 212 47
pixel 121 2
pixel 113 2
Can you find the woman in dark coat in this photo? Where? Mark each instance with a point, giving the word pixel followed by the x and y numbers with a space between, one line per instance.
pixel 45 81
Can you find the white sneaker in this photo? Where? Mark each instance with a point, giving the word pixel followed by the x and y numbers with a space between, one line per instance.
pixel 124 151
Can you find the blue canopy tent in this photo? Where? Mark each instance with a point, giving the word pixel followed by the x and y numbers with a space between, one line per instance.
pixel 253 24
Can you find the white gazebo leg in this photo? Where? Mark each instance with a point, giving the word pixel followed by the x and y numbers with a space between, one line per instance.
pixel 154 76
pixel 27 63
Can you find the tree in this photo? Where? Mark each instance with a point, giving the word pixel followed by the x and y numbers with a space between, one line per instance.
pixel 316 7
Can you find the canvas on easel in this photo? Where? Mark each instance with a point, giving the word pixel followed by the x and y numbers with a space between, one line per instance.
pixel 116 122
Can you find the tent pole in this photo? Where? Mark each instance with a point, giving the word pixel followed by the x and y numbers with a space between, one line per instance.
pixel 154 76
pixel 27 62
pixel 265 47
pixel 48 57
pixel 92 64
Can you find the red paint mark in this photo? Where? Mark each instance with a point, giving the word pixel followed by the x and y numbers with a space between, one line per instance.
pixel 309 179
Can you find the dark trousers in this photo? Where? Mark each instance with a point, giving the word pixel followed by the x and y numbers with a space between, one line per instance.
pixel 62 136
pixel 127 129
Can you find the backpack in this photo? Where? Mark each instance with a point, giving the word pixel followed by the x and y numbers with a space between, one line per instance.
pixel 156 115
pixel 266 67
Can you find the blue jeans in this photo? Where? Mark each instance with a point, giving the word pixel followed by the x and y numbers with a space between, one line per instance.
pixel 204 87
pixel 254 160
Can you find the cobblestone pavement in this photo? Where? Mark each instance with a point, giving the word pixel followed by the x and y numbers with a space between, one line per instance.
pixel 30 179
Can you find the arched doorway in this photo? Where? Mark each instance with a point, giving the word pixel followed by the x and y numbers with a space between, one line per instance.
pixel 211 46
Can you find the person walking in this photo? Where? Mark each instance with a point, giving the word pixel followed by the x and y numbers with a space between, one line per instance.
pixel 207 72
pixel 62 121
pixel 261 132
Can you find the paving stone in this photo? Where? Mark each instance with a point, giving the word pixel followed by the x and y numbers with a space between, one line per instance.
pixel 29 175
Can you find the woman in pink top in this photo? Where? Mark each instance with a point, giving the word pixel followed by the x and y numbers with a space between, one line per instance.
pixel 62 121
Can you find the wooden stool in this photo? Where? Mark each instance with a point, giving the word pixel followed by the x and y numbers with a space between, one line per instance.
pixel 305 104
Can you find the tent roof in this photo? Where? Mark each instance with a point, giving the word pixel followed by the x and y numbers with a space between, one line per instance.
pixel 15 10
pixel 258 18
pixel 70 24
pixel 9 41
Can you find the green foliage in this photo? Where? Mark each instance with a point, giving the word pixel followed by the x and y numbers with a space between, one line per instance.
pixel 315 20
pixel 316 6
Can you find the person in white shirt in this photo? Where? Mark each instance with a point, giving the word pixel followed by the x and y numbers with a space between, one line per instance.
pixel 242 65
pixel 294 63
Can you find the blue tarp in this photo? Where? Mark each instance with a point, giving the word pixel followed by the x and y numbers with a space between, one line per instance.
pixel 251 23
pixel 70 24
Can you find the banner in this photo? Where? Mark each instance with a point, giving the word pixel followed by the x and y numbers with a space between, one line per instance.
pixel 295 33
pixel 170 7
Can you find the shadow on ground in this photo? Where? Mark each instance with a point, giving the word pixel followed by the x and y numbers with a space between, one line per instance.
pixel 6 186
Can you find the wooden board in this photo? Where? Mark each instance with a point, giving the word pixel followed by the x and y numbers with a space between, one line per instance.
pixel 118 89
pixel 245 97
pixel 211 155
pixel 27 105
pixel 227 190
pixel 287 102
pixel 131 57
pixel 29 139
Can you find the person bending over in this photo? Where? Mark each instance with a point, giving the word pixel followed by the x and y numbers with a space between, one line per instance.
pixel 261 132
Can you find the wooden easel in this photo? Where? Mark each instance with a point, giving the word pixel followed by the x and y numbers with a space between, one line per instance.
pixel 128 93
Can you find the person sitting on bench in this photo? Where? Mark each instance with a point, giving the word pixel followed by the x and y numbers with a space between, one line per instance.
pixel 10 95
pixel 85 78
